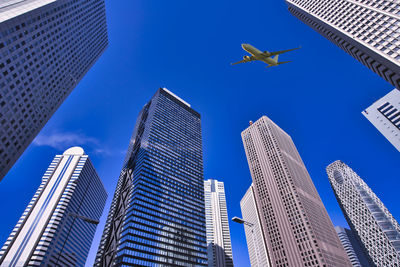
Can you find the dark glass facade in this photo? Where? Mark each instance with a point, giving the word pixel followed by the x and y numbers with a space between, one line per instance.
pixel 157 217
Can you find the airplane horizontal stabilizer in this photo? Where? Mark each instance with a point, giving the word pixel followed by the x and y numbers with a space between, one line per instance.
pixel 283 62
pixel 241 61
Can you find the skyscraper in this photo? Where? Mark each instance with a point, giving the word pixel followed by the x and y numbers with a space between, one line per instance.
pixel 367 30
pixel 366 215
pixel 296 226
pixel 157 215
pixel 58 225
pixel 384 114
pixel 354 250
pixel 219 247
pixel 46 47
pixel 256 244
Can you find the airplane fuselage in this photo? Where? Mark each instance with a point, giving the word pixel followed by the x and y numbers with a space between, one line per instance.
pixel 259 55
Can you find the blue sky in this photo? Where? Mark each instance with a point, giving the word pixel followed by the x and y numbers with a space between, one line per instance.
pixel 187 47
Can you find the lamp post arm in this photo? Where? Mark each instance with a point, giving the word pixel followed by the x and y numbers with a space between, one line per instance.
pixel 86 219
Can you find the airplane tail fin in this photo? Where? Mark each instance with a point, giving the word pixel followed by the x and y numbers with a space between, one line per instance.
pixel 276 58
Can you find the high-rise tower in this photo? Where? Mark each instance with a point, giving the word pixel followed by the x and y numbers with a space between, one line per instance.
pixel 367 30
pixel 157 215
pixel 366 215
pixel 296 226
pixel 254 236
pixel 352 246
pixel 219 247
pixel 384 114
pixel 57 227
pixel 46 47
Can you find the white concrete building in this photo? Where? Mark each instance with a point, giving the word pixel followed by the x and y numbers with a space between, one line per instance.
pixel 219 247
pixel 58 225
pixel 254 236
pixel 367 30
pixel 366 215
pixel 384 114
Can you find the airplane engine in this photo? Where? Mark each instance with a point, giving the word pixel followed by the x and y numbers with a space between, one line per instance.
pixel 246 58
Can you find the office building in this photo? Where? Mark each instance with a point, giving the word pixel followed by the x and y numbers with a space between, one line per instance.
pixel 367 30
pixel 351 245
pixel 256 244
pixel 46 47
pixel 58 225
pixel 295 223
pixel 157 216
pixel 384 114
pixel 368 218
pixel 219 247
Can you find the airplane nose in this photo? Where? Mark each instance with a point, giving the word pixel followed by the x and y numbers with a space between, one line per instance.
pixel 244 46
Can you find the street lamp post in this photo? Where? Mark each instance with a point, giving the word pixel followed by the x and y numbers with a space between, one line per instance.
pixel 86 219
pixel 251 226
pixel 83 218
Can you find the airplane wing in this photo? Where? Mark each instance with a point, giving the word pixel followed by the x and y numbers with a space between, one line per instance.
pixel 282 51
pixel 248 59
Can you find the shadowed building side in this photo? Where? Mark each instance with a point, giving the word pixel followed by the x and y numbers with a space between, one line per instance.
pixel 353 248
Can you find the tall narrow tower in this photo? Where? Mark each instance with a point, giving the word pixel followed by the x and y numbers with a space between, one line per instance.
pixel 254 232
pixel 58 226
pixel 297 228
pixel 219 247
pixel 369 219
pixel 157 215
pixel 367 30
pixel 353 248
pixel 46 47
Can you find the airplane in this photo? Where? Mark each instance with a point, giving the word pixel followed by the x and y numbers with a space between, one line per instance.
pixel 263 56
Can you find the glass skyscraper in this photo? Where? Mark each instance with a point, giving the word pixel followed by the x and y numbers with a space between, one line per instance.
pixel 58 225
pixel 369 219
pixel 157 216
pixel 46 47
